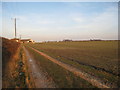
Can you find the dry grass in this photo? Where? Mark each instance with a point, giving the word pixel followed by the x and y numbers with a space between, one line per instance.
pixel 13 74
pixel 9 48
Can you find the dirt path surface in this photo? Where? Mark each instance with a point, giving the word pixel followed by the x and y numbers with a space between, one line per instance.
pixel 38 77
pixel 91 79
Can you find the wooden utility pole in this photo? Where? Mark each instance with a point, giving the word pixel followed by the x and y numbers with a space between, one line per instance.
pixel 15 19
pixel 15 28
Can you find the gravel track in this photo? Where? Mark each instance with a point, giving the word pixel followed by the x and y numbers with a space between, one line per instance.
pixel 38 77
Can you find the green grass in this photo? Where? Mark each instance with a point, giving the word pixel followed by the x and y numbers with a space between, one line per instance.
pixel 103 54
pixel 62 77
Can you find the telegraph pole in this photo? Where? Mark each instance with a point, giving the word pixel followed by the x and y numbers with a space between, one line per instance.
pixel 15 28
pixel 15 19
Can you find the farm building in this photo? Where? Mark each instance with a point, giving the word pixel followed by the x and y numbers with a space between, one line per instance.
pixel 67 40
pixel 16 39
pixel 95 40
pixel 27 41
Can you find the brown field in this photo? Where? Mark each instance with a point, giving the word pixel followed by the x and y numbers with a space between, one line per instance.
pixel 98 58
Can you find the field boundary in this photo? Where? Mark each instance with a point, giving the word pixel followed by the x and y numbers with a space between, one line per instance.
pixel 91 79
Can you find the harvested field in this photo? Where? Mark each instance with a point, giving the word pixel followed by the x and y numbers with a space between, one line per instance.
pixel 98 58
pixel 62 77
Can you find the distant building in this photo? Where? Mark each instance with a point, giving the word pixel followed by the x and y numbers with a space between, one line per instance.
pixel 16 39
pixel 95 40
pixel 27 41
pixel 23 40
pixel 67 40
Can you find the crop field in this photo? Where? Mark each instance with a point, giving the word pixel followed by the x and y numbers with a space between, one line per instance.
pixel 98 58
pixel 61 77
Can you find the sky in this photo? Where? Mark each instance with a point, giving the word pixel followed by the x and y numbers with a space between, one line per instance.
pixel 47 21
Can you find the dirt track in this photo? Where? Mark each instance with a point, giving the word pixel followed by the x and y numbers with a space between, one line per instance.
pixel 91 79
pixel 38 77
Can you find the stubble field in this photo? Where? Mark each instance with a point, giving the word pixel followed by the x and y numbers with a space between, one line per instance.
pixel 98 58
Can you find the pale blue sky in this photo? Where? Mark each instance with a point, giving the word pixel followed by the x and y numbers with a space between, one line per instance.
pixel 43 21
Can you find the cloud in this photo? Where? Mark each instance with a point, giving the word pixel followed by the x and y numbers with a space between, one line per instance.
pixel 78 19
pixel 22 18
pixel 104 25
pixel 73 4
pixel 45 22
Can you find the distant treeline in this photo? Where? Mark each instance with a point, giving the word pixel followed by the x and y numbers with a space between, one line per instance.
pixel 70 40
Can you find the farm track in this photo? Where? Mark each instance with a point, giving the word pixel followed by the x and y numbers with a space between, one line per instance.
pixel 38 77
pixel 91 79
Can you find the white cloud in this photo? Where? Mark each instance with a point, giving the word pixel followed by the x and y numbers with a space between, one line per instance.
pixel 45 22
pixel 78 19
pixel 74 4
pixel 22 18
pixel 105 25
